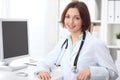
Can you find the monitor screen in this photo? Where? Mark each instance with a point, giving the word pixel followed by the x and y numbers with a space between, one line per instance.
pixel 14 39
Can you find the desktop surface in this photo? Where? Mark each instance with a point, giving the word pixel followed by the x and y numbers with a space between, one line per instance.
pixel 5 75
pixel 24 74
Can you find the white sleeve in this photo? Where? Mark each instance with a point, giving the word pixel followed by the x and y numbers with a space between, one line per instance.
pixel 48 63
pixel 106 69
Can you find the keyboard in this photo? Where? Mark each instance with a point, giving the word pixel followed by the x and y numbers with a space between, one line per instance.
pixel 12 68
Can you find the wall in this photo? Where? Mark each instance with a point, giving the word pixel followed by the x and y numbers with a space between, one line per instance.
pixel 43 22
pixel 51 24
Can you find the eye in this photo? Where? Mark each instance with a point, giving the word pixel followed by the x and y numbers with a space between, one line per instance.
pixel 77 18
pixel 67 16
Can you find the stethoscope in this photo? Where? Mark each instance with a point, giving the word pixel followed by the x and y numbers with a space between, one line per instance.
pixel 74 69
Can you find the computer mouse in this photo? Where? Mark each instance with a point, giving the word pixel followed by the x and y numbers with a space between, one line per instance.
pixel 23 74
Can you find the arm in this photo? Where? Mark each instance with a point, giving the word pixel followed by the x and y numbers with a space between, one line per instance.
pixel 45 66
pixel 106 69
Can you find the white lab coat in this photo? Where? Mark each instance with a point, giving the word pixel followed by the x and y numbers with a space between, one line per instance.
pixel 94 54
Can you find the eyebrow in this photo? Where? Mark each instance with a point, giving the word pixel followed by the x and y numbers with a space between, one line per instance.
pixel 74 15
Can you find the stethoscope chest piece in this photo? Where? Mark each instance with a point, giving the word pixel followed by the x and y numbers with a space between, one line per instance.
pixel 74 69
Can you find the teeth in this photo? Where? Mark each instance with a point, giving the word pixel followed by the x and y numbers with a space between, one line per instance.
pixel 72 26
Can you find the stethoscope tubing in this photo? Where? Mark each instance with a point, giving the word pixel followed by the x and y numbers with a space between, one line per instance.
pixel 74 69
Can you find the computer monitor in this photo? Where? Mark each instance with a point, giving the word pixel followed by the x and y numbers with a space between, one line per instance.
pixel 13 39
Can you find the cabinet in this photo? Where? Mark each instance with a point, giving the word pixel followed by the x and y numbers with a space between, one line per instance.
pixel 103 27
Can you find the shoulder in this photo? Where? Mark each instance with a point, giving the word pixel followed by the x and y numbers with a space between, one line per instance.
pixel 94 41
pixel 61 41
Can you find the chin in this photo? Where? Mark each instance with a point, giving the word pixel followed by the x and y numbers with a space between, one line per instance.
pixel 71 31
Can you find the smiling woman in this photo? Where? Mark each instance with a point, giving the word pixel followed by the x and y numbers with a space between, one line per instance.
pixel 79 55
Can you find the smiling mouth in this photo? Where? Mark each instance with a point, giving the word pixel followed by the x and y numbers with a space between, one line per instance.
pixel 71 27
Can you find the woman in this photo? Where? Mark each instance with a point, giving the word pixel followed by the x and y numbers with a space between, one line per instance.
pixel 81 56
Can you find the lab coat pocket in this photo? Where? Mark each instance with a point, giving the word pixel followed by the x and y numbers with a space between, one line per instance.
pixel 73 76
pixel 86 62
pixel 56 74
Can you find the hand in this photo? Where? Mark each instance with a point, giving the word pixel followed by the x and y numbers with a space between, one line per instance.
pixel 84 74
pixel 44 75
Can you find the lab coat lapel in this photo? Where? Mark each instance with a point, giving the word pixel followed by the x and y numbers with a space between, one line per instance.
pixel 72 76
pixel 66 67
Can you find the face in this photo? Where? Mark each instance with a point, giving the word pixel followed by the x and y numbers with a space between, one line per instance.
pixel 73 21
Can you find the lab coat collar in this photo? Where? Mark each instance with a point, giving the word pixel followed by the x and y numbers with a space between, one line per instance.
pixel 73 47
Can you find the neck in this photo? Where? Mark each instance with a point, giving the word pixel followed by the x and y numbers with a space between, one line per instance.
pixel 75 36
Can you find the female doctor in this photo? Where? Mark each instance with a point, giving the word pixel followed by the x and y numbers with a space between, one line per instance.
pixel 80 56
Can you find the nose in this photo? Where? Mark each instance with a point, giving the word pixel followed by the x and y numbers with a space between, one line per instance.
pixel 71 21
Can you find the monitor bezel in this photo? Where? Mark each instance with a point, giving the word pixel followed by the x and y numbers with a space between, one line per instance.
pixel 8 60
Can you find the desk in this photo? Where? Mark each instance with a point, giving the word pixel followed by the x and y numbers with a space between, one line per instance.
pixel 7 75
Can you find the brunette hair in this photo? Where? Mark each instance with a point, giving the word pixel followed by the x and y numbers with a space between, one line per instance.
pixel 84 14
